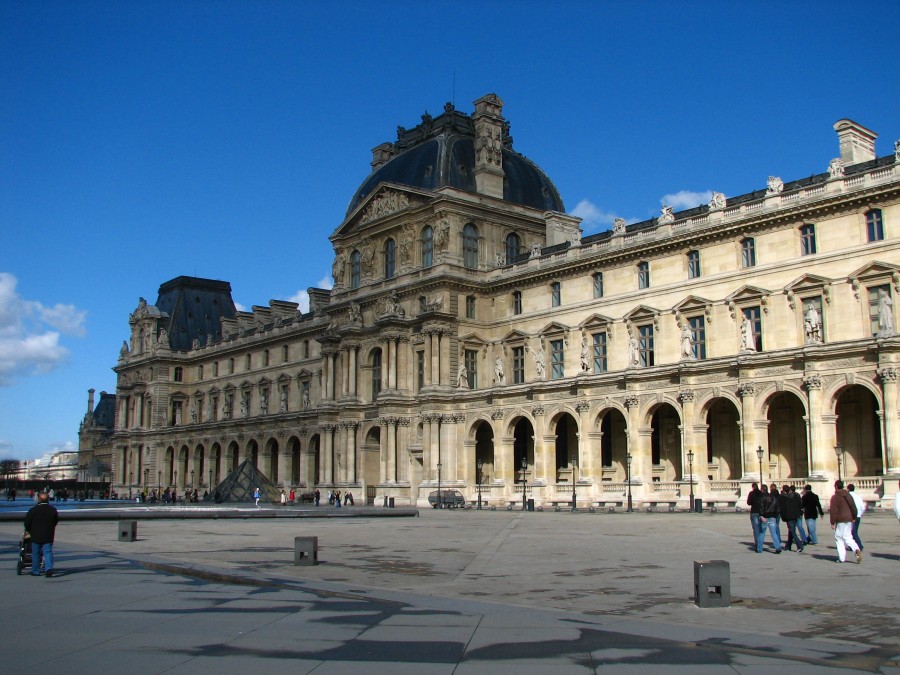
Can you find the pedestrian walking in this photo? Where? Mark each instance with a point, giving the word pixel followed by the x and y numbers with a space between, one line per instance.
pixel 293 496
pixel 897 503
pixel 791 513
pixel 256 497
pixel 812 510
pixel 753 503
pixel 318 496
pixel 769 509
pixel 283 498
pixel 842 512
pixel 40 523
pixel 860 510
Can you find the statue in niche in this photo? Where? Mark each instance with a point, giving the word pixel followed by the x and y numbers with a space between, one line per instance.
pixel 499 376
pixel 193 414
pixel 226 408
pixel 462 376
pixel 177 414
pixel 539 360
pixel 337 268
pixel 442 238
pixel 367 257
pixel 747 341
pixel 284 400
pixel 885 314
pixel 501 261
pixel 264 401
pixel 585 354
pixel 812 324
pixel 354 316
pixel 897 151
pixel 717 203
pixel 687 339
pixel 210 406
pixel 634 351
pixel 245 404
pixel 163 340
pixel 774 186
pixel 405 246
pixel 305 395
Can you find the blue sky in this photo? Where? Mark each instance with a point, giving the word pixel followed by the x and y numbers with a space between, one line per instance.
pixel 144 140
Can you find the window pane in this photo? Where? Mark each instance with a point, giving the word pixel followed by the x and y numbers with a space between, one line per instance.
pixel 513 247
pixel 517 302
pixel 376 373
pixel 748 253
pixel 693 264
pixel 427 246
pixel 354 269
pixel 600 364
pixel 755 316
pixel 557 359
pixel 389 259
pixel 874 225
pixel 470 247
pixel 556 294
pixel 807 239
pixel 470 306
pixel 518 364
pixel 598 285
pixel 698 336
pixel 645 345
pixel 643 275
pixel 471 359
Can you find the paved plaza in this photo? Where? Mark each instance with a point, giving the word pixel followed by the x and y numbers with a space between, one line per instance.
pixel 447 592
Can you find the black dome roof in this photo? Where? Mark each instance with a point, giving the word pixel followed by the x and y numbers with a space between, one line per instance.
pixel 440 152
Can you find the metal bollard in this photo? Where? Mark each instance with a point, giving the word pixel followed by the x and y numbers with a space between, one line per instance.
pixel 712 583
pixel 127 530
pixel 306 550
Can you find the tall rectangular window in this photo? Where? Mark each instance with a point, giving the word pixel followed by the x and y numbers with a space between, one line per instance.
pixel 755 316
pixel 265 357
pixel 199 372
pixel 470 306
pixel 600 364
pixel 880 308
pixel 179 374
pixel 807 239
pixel 598 285
pixel 518 365
pixel 471 361
pixel 517 302
pixel 247 362
pixel 698 336
pixel 555 294
pixel 645 345
pixel 557 359
pixel 284 354
pixel 376 373
pixel 643 272
pixel 748 252
pixel 874 225
pixel 693 260
pixel 427 246
pixel 215 368
pixel 420 370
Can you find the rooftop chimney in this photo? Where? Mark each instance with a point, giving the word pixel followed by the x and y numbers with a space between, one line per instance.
pixel 488 121
pixel 856 142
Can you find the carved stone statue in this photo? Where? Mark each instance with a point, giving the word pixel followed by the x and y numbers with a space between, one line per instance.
pixel 193 414
pixel 354 316
pixel 499 376
pixel 177 415
pixel 634 351
pixel 124 350
pixel 747 341
pixel 535 250
pixel 442 237
pixel 405 247
pixel 585 360
pixel 462 376
pixel 774 186
pixel 836 168
pixel 195 343
pixel 163 339
pixel 619 226
pixel 305 394
pixel 284 400
pixel 245 405
pixel 264 401
pixel 717 203
pixel 666 215
pixel 226 408
pixel 540 367
pixel 885 314
pixel 812 324
pixel 337 268
pixel 687 338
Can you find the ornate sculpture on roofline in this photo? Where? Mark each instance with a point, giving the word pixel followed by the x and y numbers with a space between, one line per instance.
pixel 666 215
pixel 836 168
pixel 774 186
pixel 619 226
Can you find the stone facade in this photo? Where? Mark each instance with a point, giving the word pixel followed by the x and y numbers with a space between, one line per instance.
pixel 471 332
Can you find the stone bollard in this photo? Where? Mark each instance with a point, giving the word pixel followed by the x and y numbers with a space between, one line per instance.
pixel 712 583
pixel 127 530
pixel 306 550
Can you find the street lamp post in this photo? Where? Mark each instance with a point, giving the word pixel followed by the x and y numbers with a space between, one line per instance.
pixel 759 453
pixel 479 464
pixel 839 451
pixel 524 480
pixel 574 482
pixel 628 459
pixel 440 496
pixel 210 479
pixel 192 478
pixel 175 479
pixel 690 456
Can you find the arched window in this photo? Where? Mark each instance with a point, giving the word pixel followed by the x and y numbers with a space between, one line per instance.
pixel 376 373
pixel 427 246
pixel 354 269
pixel 389 253
pixel 513 247
pixel 470 247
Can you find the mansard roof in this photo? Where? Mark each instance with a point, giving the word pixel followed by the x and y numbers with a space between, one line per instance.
pixel 105 411
pixel 195 307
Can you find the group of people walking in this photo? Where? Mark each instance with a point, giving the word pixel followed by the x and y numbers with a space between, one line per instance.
pixel 769 507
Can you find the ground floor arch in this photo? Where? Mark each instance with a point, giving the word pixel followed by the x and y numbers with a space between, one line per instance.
pixel 787 448
pixel 859 432
pixel 723 441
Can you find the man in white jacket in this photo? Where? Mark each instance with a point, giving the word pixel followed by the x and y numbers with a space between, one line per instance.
pixel 897 504
pixel 860 509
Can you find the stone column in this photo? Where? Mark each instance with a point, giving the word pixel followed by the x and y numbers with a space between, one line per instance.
pixel 392 449
pixel 353 373
pixel 688 442
pixel 326 377
pixel 749 444
pixel 436 448
pixel 541 454
pixel 284 476
pixel 585 463
pixel 345 372
pixel 435 357
pixel 383 453
pixel 428 366
pixel 814 432
pixel 350 452
pixel 825 458
pixel 444 361
pixel 891 423
pixel 448 446
pixel 326 467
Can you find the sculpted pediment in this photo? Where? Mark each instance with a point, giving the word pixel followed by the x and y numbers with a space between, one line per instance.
pixel 595 321
pixel 387 200
pixel 874 270
pixel 641 312
pixel 514 335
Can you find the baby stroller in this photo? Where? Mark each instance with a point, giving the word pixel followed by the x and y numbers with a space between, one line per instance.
pixel 25 555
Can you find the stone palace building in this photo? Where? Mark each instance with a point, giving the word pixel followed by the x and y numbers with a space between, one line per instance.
pixel 475 339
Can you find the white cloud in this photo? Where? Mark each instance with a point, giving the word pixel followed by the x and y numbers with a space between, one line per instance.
pixel 302 297
pixel 239 307
pixel 27 346
pixel 592 216
pixel 685 199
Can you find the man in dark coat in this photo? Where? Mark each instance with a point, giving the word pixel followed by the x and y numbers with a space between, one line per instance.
pixel 791 512
pixel 769 508
pixel 40 523
pixel 812 509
